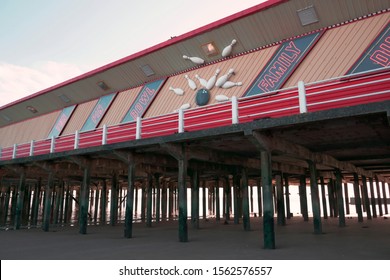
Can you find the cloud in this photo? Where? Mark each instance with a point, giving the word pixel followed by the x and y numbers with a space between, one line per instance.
pixel 19 81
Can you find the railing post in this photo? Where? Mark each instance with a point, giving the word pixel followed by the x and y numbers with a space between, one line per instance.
pixel 76 139
pixel 138 128
pixel 52 144
pixel 181 121
pixel 14 151
pixel 234 110
pixel 104 135
pixel 0 152
pixel 31 148
pixel 302 97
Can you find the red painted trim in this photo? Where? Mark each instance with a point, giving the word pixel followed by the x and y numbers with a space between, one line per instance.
pixel 255 9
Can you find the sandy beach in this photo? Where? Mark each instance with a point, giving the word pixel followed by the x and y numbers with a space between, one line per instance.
pixel 214 240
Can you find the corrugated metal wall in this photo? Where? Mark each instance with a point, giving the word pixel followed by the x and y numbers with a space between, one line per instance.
pixel 338 49
pixel 32 129
pixel 79 117
pixel 120 106
pixel 246 69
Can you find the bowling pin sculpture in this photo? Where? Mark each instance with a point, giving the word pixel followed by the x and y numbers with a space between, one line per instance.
pixel 185 106
pixel 221 80
pixel 228 49
pixel 221 98
pixel 212 80
pixel 202 81
pixel 194 59
pixel 191 83
pixel 178 91
pixel 229 84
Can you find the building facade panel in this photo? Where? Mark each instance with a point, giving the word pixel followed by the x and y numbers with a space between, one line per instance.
pixel 338 49
pixel 79 117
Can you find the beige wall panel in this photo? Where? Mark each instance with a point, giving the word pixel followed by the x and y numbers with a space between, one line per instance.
pixel 120 106
pixel 338 49
pixel 32 129
pixel 79 116
pixel 246 69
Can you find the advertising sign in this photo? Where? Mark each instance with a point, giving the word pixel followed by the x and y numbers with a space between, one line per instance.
pixel 61 121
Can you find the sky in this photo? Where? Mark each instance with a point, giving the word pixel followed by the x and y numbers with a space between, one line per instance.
pixel 44 42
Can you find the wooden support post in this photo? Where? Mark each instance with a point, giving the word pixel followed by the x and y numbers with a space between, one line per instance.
pixel 204 201
pixel 303 198
pixel 227 199
pixel 135 201
pixel 358 202
pixel 164 195
pixel 236 184
pixel 149 201
pixel 372 195
pixel 103 203
pixel 245 201
pixel 268 220
pixel 365 196
pixel 47 202
pixel 20 200
pixel 281 218
pixel 384 198
pixel 34 205
pixel 378 194
pixel 84 200
pixel 170 210
pixel 62 195
pixel 259 198
pixel 158 196
pixel 57 203
pixel 13 204
pixel 287 196
pixel 6 204
pixel 143 200
pixel 114 200
pixel 217 203
pixel 315 199
pixel 340 200
pixel 346 198
pixel 97 198
pixel 195 199
pixel 182 189
pixel 324 208
pixel 130 198
pixel 251 199
pixel 330 198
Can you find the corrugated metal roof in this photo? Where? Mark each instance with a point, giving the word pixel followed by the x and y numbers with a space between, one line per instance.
pixel 271 21
pixel 338 49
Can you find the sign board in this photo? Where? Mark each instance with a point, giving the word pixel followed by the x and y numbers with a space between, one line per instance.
pixel 61 121
pixel 143 100
pixel 98 112
pixel 376 56
pixel 282 64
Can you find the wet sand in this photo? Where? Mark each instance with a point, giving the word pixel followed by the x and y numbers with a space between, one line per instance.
pixel 369 240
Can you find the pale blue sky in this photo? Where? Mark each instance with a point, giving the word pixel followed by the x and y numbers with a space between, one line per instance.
pixel 45 42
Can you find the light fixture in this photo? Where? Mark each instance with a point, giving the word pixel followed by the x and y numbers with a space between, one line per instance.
pixel 64 98
pixel 32 109
pixel 210 49
pixel 6 118
pixel 148 71
pixel 103 85
pixel 307 15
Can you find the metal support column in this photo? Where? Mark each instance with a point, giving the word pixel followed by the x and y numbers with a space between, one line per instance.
pixel 195 199
pixel 182 195
pixel 84 200
pixel 268 220
pixel 346 198
pixel 47 204
pixel 303 198
pixel 378 194
pixel 245 201
pixel 372 196
pixel 280 201
pixel 315 199
pixel 358 202
pixel 130 199
pixel 287 196
pixel 340 199
pixel 366 200
pixel 149 201
pixel 20 200
pixel 324 208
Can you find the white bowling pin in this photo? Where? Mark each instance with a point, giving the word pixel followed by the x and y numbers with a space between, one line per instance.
pixel 178 91
pixel 221 98
pixel 228 49
pixel 221 80
pixel 191 83
pixel 229 84
pixel 212 80
pixel 185 106
pixel 202 81
pixel 194 59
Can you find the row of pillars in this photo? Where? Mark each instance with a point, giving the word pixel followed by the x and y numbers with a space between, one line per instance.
pixel 56 203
